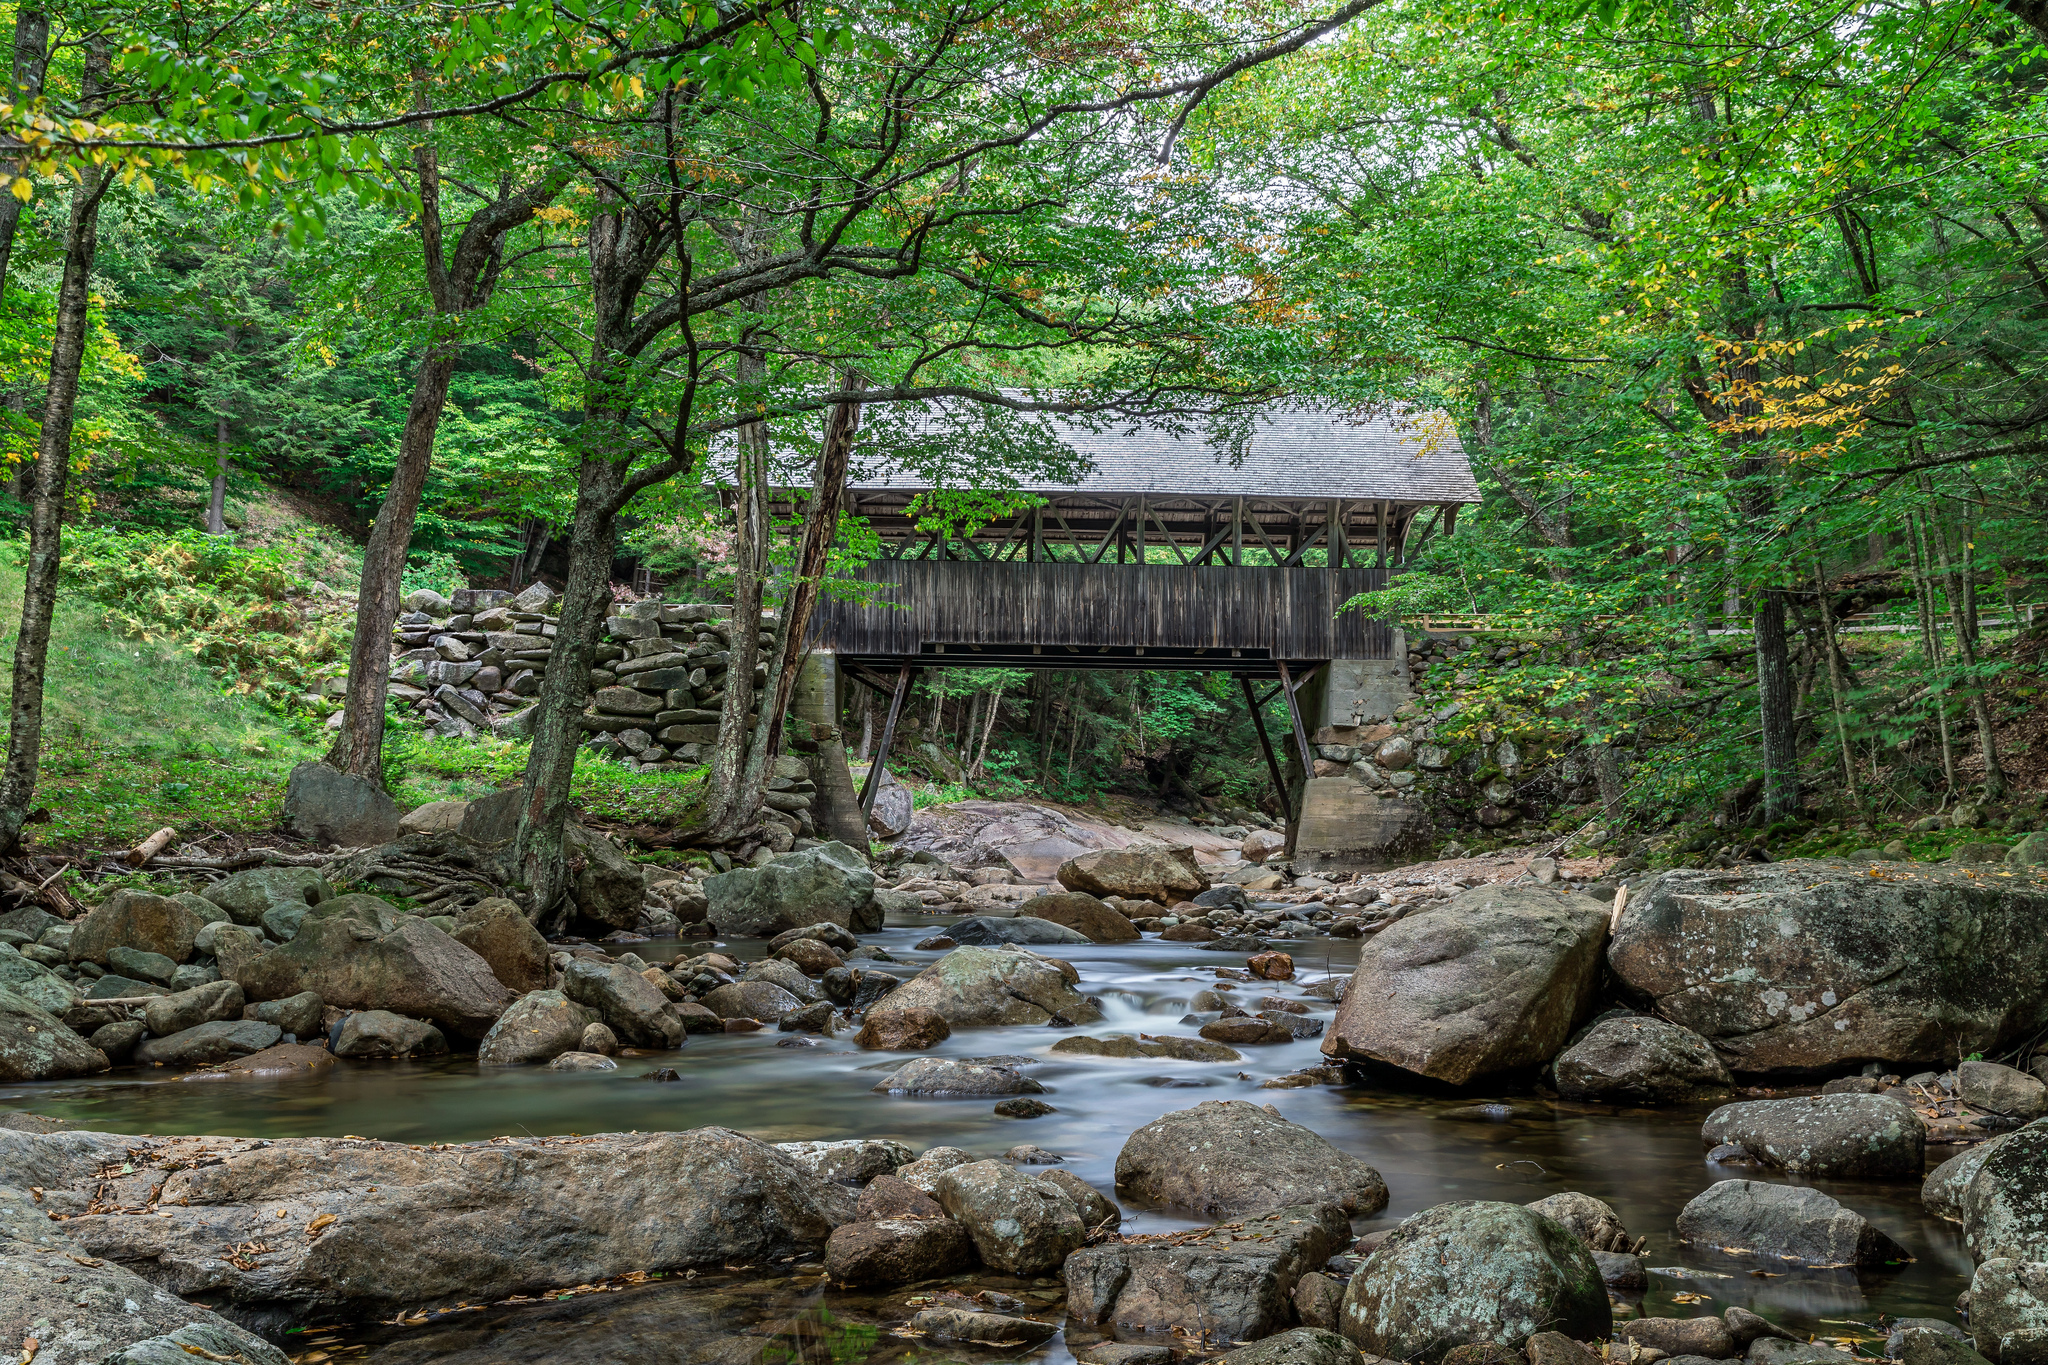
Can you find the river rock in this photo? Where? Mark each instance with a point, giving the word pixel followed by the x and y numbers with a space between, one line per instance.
pixel 1923 1345
pixel 1151 1045
pixel 989 987
pixel 1707 1337
pixel 914 1029
pixel 924 1173
pixel 36 1046
pixel 810 957
pixel 2009 1311
pixel 234 947
pixel 79 1309
pixel 118 1039
pixel 34 982
pixel 1492 980
pixel 1902 1328
pixel 1224 1158
pixel 609 888
pixel 583 1061
pixel 1019 1225
pixel 897 1251
pixel 168 1014
pixel 298 1015
pixel 1474 1272
pixel 371 911
pixel 1639 1059
pixel 246 895
pixel 1755 1218
pixel 1592 1221
pixel 1098 1211
pixel 414 970
pixel 1872 1137
pixel 1165 875
pixel 422 1226
pixel 1297 1346
pixel 497 930
pixel 848 1161
pixel 279 1061
pixel 891 1196
pixel 380 1033
pixel 2005 1206
pixel 943 1076
pixel 2001 1090
pixel 206 1044
pixel 985 930
pixel 538 1027
pixel 983 1329
pixel 830 882
pixel 631 1005
pixel 763 1000
pixel 324 806
pixel 1808 967
pixel 787 975
pixel 1083 913
pixel 135 919
pixel 1235 1280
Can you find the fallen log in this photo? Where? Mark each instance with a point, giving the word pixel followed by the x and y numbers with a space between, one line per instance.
pixel 150 847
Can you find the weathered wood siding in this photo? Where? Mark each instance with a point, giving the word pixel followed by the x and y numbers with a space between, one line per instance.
pixel 1285 612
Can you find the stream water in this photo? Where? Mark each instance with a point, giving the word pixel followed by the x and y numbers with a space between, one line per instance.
pixel 1429 1146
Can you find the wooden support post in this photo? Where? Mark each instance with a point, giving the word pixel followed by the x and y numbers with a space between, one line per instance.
pixel 872 786
pixel 1037 534
pixel 1237 534
pixel 1333 551
pixel 1288 688
pixel 1379 518
pixel 1138 544
pixel 1272 760
pixel 1340 535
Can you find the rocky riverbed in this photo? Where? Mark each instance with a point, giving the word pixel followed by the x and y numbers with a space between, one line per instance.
pixel 1150 1110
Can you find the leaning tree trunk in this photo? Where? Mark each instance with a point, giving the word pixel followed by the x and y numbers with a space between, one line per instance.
pixel 558 728
pixel 359 748
pixel 46 514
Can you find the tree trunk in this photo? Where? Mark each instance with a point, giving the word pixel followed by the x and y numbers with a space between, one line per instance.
pixel 1838 690
pixel 558 732
pixel 359 748
pixel 1966 647
pixel 1774 704
pixel 46 514
pixel 31 60
pixel 217 500
pixel 750 564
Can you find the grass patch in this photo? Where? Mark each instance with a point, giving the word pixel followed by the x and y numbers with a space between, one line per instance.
pixel 137 735
pixel 419 769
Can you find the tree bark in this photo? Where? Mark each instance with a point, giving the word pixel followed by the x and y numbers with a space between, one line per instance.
pixel 750 567
pixel 456 286
pixel 217 499
pixel 46 515
pixel 1838 689
pixel 31 61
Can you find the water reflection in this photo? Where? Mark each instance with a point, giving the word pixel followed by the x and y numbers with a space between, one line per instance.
pixel 1430 1147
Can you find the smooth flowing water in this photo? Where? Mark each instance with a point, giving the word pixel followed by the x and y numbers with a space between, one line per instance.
pixel 1430 1147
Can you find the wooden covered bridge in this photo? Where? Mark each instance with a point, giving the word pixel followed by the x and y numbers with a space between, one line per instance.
pixel 1165 554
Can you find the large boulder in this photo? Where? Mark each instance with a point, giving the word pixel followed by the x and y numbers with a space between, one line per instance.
pixel 1494 979
pixel 609 888
pixel 2009 1311
pixel 1592 1221
pixel 849 1161
pixel 1087 915
pixel 1783 1222
pixel 208 1044
pixel 498 931
pixel 828 883
pixel 94 1311
pixel 1019 1225
pixel 628 1002
pixel 897 1251
pixel 987 930
pixel 1223 1158
pixel 370 1227
pixel 34 982
pixel 1805 968
pixel 1165 875
pixel 167 1014
pixel 2005 1206
pixel 36 1046
pixel 135 919
pixel 414 970
pixel 1300 1346
pixel 1473 1273
pixel 1234 1281
pixel 324 805
pixel 537 1027
pixel 2002 1090
pixel 1871 1137
pixel 763 1000
pixel 247 895
pixel 1640 1059
pixel 992 987
pixel 380 1033
pixel 1942 1192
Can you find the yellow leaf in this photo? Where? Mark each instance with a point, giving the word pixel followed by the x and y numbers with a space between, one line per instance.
pixel 22 189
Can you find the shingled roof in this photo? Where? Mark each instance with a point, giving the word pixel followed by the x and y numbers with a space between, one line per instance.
pixel 1295 452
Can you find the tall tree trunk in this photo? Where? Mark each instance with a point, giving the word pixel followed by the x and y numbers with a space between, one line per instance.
pixel 750 567
pixel 217 499
pixel 359 748
pixel 1966 648
pixel 1930 640
pixel 31 60
pixel 46 514
pixel 1838 689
